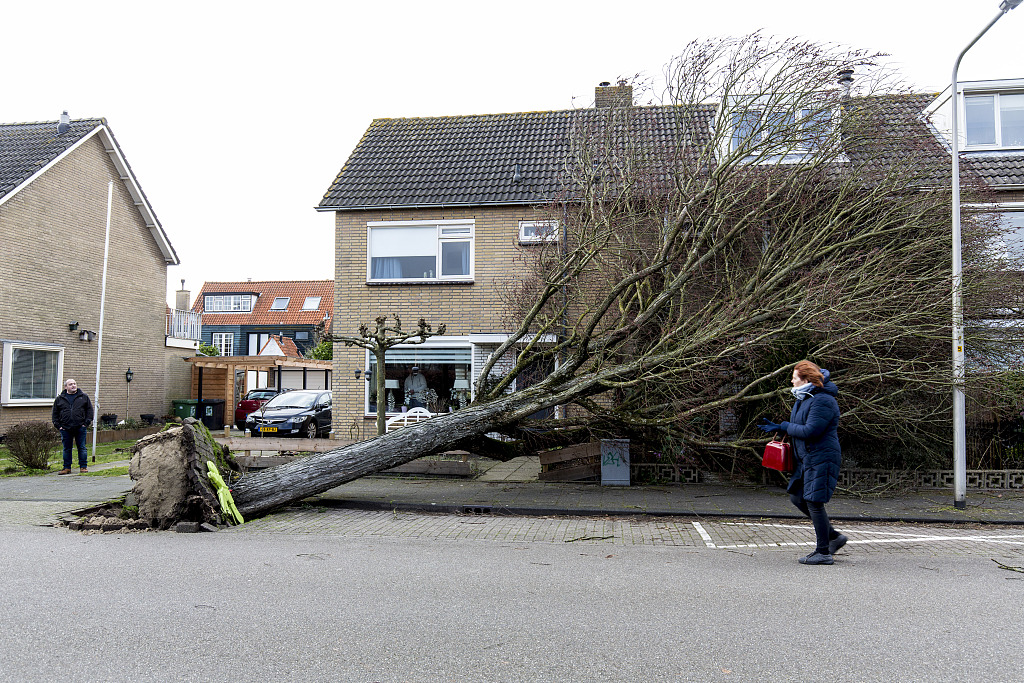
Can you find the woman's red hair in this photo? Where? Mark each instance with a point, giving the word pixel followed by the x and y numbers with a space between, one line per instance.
pixel 809 372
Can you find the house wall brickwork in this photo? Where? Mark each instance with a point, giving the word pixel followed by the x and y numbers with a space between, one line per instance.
pixel 465 309
pixel 51 264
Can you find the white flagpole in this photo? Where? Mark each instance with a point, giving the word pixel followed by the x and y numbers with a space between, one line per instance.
pixel 103 301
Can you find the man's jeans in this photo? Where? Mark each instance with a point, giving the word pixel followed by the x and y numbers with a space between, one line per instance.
pixel 76 434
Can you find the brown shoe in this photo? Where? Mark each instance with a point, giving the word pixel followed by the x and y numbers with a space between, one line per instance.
pixel 64 472
pixel 83 470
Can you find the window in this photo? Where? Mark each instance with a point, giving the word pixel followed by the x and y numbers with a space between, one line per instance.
pixel 302 336
pixel 421 251
pixel 311 303
pixel 1011 242
pixel 228 303
pixel 995 120
pixel 787 132
pixel 280 303
pixel 440 383
pixel 31 373
pixel 257 342
pixel 538 231
pixel 224 342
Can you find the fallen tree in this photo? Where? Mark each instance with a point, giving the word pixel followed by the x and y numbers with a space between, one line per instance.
pixel 763 215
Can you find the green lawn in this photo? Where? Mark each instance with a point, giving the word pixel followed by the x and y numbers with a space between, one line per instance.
pixel 105 452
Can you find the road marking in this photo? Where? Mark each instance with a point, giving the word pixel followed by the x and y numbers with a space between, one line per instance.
pixel 900 537
pixel 703 534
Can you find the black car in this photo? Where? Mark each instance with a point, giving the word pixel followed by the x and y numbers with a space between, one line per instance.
pixel 302 413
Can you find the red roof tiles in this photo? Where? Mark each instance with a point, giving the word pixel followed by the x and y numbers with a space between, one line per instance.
pixel 296 291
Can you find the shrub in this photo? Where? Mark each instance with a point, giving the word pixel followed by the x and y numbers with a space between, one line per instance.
pixel 208 350
pixel 31 443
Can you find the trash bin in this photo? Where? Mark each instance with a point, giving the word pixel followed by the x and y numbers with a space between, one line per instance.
pixel 211 413
pixel 184 407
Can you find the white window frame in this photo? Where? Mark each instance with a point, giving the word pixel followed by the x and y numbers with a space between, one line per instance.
pixel 460 343
pixel 1001 209
pixel 286 299
pixel 229 337
pixel 445 233
pixel 528 232
pixel 988 89
pixel 8 355
pixel 227 303
pixel 314 306
pixel 732 111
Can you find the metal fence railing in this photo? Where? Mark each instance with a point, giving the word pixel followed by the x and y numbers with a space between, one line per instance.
pixel 184 325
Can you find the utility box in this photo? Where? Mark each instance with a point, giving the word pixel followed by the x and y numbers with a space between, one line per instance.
pixel 614 462
pixel 183 407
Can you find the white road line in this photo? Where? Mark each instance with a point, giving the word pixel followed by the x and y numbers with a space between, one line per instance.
pixel 703 534
pixel 900 537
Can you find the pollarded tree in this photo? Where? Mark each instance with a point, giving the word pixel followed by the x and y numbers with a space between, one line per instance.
pixel 764 213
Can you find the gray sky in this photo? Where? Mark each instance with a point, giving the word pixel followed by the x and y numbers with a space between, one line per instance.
pixel 236 116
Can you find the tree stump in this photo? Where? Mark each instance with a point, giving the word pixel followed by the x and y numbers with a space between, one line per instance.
pixel 170 474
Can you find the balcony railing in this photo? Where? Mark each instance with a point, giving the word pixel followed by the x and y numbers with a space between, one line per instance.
pixel 185 325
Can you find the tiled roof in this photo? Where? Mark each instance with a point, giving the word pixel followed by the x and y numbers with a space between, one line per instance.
pixel 473 160
pixel 267 291
pixel 27 147
pixel 997 168
pixel 286 345
pixel 453 160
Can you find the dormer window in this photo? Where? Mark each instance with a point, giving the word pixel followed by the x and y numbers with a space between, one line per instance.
pixel 777 135
pixel 227 303
pixel 994 120
pixel 280 303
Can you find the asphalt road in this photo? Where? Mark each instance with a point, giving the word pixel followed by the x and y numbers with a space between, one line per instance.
pixel 407 597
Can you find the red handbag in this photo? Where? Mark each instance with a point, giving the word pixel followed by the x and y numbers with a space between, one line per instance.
pixel 778 455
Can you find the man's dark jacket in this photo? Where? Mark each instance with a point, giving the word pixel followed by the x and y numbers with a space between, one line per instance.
pixel 71 410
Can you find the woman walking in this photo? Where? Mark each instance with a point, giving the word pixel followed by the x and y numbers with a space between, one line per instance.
pixel 813 424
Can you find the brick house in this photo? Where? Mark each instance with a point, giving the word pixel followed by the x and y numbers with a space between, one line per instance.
pixel 53 210
pixel 430 215
pixel 240 317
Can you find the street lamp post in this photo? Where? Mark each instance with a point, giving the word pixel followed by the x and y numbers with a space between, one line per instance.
pixel 959 402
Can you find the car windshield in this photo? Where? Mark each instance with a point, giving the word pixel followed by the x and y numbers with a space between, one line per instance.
pixel 291 400
pixel 258 395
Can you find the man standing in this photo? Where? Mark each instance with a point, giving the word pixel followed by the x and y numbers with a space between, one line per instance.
pixel 72 415
pixel 416 389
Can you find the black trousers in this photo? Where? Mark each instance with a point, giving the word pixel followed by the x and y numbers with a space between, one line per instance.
pixel 823 530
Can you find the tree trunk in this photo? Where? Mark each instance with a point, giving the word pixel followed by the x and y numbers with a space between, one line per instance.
pixel 257 494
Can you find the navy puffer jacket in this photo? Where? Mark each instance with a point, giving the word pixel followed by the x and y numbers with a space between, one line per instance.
pixel 813 424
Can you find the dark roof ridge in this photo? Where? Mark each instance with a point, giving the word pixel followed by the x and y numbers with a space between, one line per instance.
pixel 99 119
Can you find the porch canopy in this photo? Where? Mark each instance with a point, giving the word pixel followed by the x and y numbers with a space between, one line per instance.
pixel 220 372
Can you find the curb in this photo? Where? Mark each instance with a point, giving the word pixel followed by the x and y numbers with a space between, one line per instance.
pixel 518 511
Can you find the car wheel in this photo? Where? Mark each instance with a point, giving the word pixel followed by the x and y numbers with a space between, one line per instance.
pixel 309 429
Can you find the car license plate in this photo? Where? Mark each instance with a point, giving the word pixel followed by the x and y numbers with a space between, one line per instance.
pixel 264 430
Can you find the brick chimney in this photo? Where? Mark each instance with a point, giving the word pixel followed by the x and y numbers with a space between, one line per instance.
pixel 607 95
